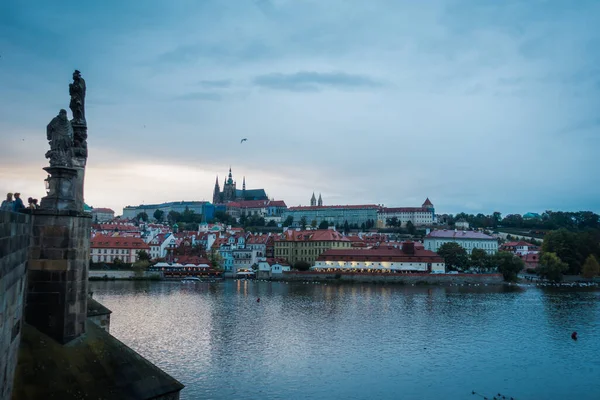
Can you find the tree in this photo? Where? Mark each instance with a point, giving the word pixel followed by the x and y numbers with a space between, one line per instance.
pixel 454 256
pixel 480 259
pixel 303 222
pixel 564 244
pixel 173 216
pixel 313 223
pixel 143 255
pixel 508 264
pixel 324 225
pixel 216 261
pixel 142 216
pixel 346 226
pixel 410 227
pixel 591 268
pixel 552 267
pixel 272 223
pixel 158 215
pixel 302 266
pixel 288 221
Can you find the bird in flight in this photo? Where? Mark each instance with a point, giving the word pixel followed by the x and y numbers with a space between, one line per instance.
pixel 243 140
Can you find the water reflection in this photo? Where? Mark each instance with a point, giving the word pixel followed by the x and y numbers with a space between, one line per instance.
pixel 360 341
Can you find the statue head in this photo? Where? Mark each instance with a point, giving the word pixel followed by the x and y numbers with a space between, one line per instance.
pixel 76 75
pixel 62 113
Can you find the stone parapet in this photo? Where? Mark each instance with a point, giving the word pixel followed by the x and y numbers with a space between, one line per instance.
pixel 57 273
pixel 15 230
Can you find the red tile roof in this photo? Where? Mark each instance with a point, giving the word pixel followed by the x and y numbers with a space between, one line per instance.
pixel 116 242
pixel 320 235
pixel 102 210
pixel 427 202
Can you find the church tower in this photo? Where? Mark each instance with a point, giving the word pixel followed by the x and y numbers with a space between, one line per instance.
pixel 244 189
pixel 313 200
pixel 229 192
pixel 217 192
pixel 320 203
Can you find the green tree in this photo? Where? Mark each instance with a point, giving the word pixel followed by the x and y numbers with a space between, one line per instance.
pixel 302 266
pixel 552 267
pixel 271 224
pixel 142 216
pixel 480 259
pixel 303 222
pixel 410 227
pixel 323 225
pixel 215 260
pixel 143 255
pixel 508 264
pixel 288 221
pixel 591 268
pixel 564 244
pixel 158 215
pixel 346 226
pixel 454 256
pixel 313 223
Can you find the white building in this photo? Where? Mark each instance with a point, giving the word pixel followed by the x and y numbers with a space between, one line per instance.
pixel 418 216
pixel 110 248
pixel 468 240
pixel 102 215
pixel 461 224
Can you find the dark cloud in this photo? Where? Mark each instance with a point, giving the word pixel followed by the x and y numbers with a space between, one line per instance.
pixel 314 81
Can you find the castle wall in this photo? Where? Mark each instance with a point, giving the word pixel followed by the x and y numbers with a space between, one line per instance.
pixel 15 232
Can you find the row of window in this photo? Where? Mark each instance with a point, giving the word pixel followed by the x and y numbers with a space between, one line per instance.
pixel 112 251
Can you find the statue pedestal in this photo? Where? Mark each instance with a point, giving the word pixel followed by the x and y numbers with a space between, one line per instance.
pixel 61 191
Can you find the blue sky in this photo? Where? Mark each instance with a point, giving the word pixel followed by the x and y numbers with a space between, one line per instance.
pixel 478 105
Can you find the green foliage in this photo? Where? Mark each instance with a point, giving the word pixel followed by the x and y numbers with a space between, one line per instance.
pixel 323 225
pixel 552 267
pixel 142 216
pixel 480 259
pixel 216 261
pixel 143 255
pixel 564 244
pixel 410 228
pixel 224 218
pixel 302 266
pixel 508 264
pixel 158 215
pixel 272 224
pixel 288 221
pixel 303 222
pixel 346 226
pixel 591 268
pixel 313 223
pixel 454 256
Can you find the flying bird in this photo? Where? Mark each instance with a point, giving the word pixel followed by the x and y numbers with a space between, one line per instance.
pixel 243 140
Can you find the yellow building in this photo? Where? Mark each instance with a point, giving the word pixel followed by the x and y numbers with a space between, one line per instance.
pixel 295 246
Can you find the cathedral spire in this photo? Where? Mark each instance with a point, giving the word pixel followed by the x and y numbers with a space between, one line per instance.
pixel 313 200
pixel 320 203
pixel 244 184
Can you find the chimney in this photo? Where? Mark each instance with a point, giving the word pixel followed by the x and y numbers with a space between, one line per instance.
pixel 408 248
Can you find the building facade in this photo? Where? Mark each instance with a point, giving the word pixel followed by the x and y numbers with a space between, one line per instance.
pixel 102 215
pixel 381 259
pixel 295 246
pixel 231 193
pixel 468 240
pixel 334 215
pixel 203 208
pixel 418 216
pixel 110 248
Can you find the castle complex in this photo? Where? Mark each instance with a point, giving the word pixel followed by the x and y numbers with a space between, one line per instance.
pixel 231 193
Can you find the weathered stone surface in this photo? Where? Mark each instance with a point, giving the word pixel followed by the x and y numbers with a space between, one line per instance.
pixel 57 280
pixel 14 249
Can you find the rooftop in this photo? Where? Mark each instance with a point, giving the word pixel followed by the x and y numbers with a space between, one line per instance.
pixel 451 234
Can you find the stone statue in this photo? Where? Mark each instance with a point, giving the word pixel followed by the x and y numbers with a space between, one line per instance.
pixel 77 105
pixel 60 135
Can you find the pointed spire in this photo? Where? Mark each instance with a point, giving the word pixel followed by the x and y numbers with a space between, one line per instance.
pixel 313 200
pixel 217 181
pixel 320 203
pixel 244 184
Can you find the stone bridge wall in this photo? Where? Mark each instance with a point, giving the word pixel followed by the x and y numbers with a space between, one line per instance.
pixel 15 237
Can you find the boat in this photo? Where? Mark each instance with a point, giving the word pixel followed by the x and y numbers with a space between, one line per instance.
pixel 191 279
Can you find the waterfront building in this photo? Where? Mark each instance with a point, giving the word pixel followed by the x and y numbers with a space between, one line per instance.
pixel 418 216
pixel 469 240
pixel 334 215
pixel 110 248
pixel 203 208
pixel 296 245
pixel 231 193
pixel 102 215
pixel 520 248
pixel 381 259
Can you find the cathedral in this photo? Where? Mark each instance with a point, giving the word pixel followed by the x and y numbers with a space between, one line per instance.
pixel 231 193
pixel 313 201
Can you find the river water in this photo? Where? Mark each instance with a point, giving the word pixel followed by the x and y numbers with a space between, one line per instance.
pixel 317 341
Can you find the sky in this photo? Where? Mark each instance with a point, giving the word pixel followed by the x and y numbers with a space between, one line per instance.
pixel 479 105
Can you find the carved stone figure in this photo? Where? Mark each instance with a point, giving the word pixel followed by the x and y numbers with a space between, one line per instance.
pixel 77 105
pixel 60 135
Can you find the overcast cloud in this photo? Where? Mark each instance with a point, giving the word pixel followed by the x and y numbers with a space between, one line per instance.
pixel 479 106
